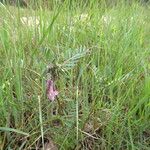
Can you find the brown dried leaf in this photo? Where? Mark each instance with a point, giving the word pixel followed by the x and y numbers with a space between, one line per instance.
pixel 50 145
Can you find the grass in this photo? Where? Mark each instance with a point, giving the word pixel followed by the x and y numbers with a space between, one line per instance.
pixel 102 72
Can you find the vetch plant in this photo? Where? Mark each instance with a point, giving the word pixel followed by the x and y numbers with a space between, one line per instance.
pixel 54 69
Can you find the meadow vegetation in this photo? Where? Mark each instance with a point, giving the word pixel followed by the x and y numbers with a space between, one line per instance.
pixel 99 58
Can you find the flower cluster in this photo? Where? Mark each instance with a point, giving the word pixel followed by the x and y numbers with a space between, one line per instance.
pixel 50 90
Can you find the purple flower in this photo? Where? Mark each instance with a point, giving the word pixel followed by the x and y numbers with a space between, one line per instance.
pixel 51 91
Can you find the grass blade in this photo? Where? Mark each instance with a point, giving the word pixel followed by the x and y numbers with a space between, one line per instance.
pixel 6 129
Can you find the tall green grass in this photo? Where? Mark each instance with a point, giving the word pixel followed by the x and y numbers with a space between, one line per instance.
pixel 101 54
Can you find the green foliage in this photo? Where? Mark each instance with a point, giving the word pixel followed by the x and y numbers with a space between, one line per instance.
pixel 100 56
